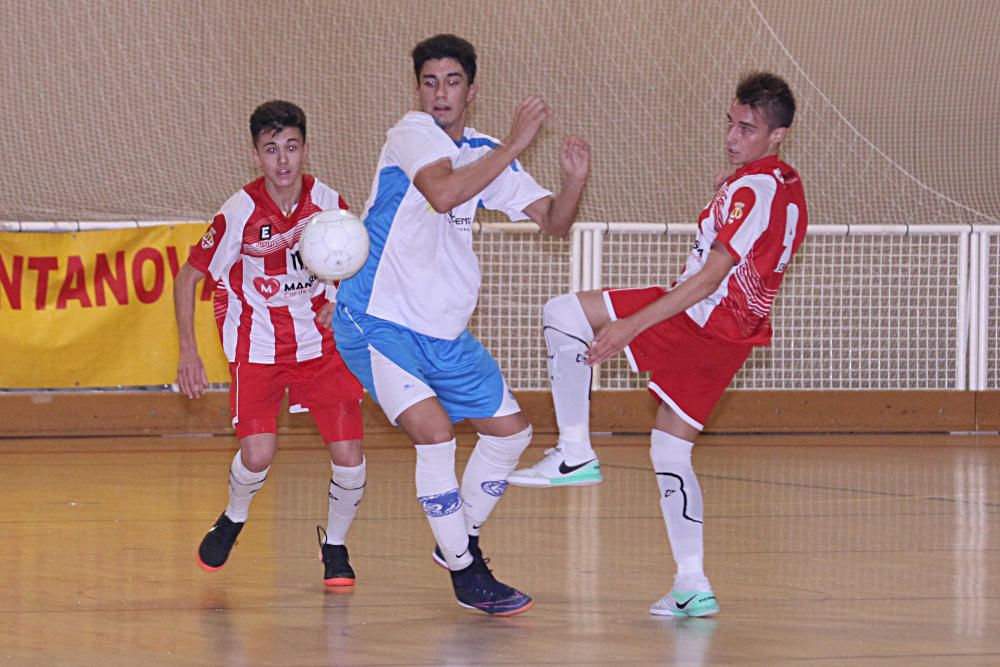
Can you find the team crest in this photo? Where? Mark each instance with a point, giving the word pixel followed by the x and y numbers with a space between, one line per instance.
pixel 208 240
pixel 737 211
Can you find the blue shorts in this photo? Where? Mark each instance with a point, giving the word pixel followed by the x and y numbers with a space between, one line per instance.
pixel 400 367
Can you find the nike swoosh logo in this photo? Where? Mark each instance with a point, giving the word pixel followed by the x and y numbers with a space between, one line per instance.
pixel 477 526
pixel 467 551
pixel 565 469
pixel 681 605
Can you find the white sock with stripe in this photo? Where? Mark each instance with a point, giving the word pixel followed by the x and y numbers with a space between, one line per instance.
pixel 682 507
pixel 243 484
pixel 347 488
pixel 568 335
pixel 485 477
pixel 437 491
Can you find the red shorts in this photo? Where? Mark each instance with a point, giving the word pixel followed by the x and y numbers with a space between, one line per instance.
pixel 322 386
pixel 689 368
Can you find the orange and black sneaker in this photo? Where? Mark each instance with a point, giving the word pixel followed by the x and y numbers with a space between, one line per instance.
pixel 337 570
pixel 217 543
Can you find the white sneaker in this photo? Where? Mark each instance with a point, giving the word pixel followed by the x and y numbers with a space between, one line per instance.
pixel 686 603
pixel 553 471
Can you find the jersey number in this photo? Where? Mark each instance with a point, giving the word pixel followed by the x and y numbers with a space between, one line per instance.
pixel 791 224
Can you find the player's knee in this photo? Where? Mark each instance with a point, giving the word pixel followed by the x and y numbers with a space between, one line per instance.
pixel 555 309
pixel 346 453
pixel 505 450
pixel 256 460
pixel 565 313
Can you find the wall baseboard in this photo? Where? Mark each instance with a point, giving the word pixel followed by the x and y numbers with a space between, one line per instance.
pixel 88 414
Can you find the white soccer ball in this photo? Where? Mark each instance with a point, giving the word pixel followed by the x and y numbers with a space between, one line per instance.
pixel 334 244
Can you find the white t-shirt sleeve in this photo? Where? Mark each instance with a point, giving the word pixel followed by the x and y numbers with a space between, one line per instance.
pixel 512 191
pixel 416 141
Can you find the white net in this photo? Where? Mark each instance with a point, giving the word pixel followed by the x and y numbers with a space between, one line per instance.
pixel 141 111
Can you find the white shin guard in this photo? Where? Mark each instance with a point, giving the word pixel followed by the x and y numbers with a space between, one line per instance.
pixel 437 491
pixel 680 501
pixel 243 485
pixel 568 335
pixel 347 488
pixel 485 477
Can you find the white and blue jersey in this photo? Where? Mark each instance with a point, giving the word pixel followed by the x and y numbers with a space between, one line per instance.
pixel 401 321
pixel 421 271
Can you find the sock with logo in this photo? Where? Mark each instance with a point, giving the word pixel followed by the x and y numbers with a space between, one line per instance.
pixel 681 505
pixel 347 488
pixel 437 491
pixel 568 336
pixel 243 484
pixel 485 477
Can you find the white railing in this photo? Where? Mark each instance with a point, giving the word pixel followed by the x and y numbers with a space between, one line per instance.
pixel 862 307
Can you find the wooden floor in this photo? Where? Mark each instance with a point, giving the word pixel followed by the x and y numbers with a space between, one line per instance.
pixel 839 550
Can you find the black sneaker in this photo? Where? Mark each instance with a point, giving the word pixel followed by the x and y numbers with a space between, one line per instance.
pixel 473 549
pixel 337 570
pixel 477 588
pixel 217 543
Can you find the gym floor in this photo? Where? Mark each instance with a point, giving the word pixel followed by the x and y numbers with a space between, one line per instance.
pixel 860 550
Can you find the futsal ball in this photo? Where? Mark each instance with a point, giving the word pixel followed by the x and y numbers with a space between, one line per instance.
pixel 334 244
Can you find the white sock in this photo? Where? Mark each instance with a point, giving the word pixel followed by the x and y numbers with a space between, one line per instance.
pixel 682 507
pixel 347 488
pixel 485 477
pixel 568 335
pixel 437 491
pixel 243 484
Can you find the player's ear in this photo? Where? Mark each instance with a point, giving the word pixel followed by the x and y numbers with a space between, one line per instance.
pixel 473 90
pixel 777 135
pixel 256 157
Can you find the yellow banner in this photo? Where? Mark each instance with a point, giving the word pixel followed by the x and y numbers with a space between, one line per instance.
pixel 95 308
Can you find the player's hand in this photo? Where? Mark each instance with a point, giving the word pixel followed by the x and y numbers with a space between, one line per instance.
pixel 528 120
pixel 722 176
pixel 324 316
pixel 611 340
pixel 192 379
pixel 574 158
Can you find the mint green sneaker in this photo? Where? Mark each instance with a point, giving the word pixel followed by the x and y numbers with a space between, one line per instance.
pixel 554 471
pixel 686 603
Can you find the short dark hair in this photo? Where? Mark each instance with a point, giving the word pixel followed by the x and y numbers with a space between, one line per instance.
pixel 769 94
pixel 274 116
pixel 445 46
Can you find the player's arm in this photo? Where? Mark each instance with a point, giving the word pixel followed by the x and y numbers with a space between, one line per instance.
pixel 616 335
pixel 445 187
pixel 555 215
pixel 191 376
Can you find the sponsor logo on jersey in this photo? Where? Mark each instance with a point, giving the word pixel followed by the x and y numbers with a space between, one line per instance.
pixel 208 240
pixel 461 223
pixel 267 287
pixel 265 232
pixel 295 287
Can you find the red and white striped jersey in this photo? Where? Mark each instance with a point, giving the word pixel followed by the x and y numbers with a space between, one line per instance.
pixel 759 216
pixel 266 300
